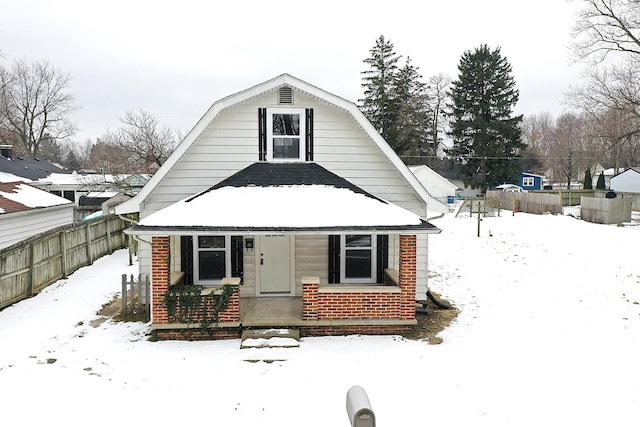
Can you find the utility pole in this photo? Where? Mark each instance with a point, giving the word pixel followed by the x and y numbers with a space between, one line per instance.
pixel 479 220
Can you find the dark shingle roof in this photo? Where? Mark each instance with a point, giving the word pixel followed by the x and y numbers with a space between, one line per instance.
pixel 285 174
pixel 29 168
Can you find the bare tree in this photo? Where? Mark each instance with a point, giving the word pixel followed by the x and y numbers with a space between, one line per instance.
pixel 537 134
pixel 567 147
pixel 607 26
pixel 436 100
pixel 35 104
pixel 143 140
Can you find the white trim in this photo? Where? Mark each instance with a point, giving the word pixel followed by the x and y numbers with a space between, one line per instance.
pixel 343 259
pixel 196 262
pixel 301 134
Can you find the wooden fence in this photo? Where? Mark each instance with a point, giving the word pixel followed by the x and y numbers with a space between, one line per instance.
pixel 536 203
pixel 29 266
pixel 605 211
pixel 136 298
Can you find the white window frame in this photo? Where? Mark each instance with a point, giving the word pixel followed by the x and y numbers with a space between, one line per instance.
pixel 196 261
pixel 343 259
pixel 528 181
pixel 270 136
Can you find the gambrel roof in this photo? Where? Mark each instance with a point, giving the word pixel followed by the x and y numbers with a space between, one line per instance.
pixel 349 108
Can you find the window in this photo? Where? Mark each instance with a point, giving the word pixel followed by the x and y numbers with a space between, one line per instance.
pixel 212 260
pixel 527 181
pixel 285 134
pixel 358 264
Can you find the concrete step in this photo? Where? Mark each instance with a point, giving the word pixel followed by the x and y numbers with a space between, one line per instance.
pixel 270 338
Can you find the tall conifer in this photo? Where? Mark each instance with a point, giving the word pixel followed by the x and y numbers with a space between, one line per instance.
pixel 485 132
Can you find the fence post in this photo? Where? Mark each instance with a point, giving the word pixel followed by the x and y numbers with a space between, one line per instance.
pixel 133 295
pixel 124 295
pixel 31 272
pixel 106 221
pixel 63 254
pixel 88 234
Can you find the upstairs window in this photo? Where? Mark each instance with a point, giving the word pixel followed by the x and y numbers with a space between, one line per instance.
pixel 285 134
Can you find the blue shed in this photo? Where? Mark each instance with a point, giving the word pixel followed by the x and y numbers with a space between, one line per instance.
pixel 530 181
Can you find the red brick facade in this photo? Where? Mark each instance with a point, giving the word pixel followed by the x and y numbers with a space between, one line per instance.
pixel 160 274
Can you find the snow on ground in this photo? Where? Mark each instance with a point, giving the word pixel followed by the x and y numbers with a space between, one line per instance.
pixel 548 334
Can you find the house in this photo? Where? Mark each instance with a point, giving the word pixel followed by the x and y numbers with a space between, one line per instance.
pixel 286 199
pixel 26 211
pixel 443 191
pixel 627 181
pixel 26 168
pixel 530 181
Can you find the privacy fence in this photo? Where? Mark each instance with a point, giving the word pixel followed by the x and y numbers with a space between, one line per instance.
pixel 595 206
pixel 29 266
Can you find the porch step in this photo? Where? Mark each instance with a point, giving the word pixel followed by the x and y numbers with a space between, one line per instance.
pixel 270 338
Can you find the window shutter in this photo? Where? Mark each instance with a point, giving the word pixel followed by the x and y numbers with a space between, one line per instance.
pixel 262 134
pixel 186 258
pixel 382 256
pixel 237 260
pixel 334 259
pixel 309 135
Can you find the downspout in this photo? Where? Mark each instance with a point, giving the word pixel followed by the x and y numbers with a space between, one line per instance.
pixel 134 222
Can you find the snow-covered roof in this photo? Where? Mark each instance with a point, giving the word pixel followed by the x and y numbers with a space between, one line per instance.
pixel 133 204
pixel 291 197
pixel 19 196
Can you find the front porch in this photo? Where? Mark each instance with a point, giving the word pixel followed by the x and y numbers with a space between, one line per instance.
pixel 323 309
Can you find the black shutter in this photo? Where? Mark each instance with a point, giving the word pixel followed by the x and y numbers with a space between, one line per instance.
pixel 237 261
pixel 309 135
pixel 382 256
pixel 186 258
pixel 334 259
pixel 262 134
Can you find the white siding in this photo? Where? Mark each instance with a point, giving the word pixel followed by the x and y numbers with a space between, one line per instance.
pixel 21 225
pixel 627 181
pixel 312 259
pixel 230 144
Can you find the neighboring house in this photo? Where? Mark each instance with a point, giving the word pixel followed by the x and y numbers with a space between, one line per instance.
pixel 26 168
pixel 285 190
pixel 441 189
pixel 530 181
pixel 627 181
pixel 26 211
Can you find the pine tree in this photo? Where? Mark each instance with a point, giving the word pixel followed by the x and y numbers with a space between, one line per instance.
pixel 486 134
pixel 379 82
pixel 600 185
pixel 588 181
pixel 412 115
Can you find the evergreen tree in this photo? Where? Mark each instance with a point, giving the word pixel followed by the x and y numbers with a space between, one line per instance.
pixel 379 83
pixel 412 115
pixel 588 181
pixel 600 185
pixel 486 134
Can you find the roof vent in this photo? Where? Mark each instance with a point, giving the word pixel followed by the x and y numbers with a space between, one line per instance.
pixel 285 95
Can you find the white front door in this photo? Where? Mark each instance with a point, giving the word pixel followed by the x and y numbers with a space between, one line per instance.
pixel 275 265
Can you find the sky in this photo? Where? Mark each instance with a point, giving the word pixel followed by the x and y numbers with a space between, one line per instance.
pixel 175 59
pixel 548 334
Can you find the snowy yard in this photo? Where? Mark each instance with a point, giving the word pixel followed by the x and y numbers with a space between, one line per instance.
pixel 549 334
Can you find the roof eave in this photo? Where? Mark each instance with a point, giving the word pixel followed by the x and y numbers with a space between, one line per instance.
pixel 141 230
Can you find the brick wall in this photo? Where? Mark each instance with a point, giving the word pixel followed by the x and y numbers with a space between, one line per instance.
pixel 159 277
pixel 407 276
pixel 358 305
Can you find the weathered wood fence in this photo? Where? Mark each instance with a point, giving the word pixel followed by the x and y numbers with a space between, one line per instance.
pixel 536 203
pixel 29 266
pixel 605 211
pixel 136 298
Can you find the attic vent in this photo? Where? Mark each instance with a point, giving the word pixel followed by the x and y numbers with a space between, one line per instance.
pixel 285 95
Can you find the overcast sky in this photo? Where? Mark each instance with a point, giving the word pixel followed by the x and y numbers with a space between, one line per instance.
pixel 175 58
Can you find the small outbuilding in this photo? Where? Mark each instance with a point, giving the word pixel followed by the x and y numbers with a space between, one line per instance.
pixel 627 181
pixel 530 181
